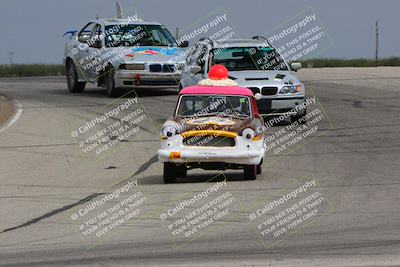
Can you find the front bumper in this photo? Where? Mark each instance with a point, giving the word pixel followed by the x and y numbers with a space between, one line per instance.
pixel 132 78
pixel 279 105
pixel 245 152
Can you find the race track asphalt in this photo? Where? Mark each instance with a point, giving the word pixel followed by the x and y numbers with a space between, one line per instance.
pixel 354 155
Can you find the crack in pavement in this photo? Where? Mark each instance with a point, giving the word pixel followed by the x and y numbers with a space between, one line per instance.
pixel 141 169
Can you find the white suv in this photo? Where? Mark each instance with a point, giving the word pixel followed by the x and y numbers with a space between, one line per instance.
pixel 254 64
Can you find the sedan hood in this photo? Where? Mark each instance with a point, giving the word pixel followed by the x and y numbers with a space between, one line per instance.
pixel 264 78
pixel 154 54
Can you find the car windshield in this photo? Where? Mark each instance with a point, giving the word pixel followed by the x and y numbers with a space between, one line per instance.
pixel 249 58
pixel 199 105
pixel 138 35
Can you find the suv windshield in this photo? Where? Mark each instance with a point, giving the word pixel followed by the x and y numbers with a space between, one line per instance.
pixel 249 58
pixel 198 105
pixel 138 35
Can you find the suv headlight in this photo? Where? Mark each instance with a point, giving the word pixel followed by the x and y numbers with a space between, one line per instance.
pixel 291 89
pixel 248 133
pixel 168 131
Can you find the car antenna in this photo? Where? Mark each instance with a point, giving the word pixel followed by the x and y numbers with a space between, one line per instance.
pixel 119 10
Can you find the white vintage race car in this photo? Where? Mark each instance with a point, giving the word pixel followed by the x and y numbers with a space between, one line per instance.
pixel 122 53
pixel 213 127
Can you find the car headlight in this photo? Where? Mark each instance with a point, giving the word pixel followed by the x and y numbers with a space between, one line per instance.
pixel 291 89
pixel 248 133
pixel 168 131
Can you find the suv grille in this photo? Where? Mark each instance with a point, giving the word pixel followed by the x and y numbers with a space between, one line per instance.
pixel 269 90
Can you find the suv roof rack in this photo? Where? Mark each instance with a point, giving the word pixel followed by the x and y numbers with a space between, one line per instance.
pixel 261 38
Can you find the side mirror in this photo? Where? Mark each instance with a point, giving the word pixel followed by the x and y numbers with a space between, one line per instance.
pixel 184 44
pixel 295 66
pixel 195 69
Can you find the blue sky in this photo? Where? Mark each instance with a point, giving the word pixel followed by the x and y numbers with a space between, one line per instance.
pixel 33 29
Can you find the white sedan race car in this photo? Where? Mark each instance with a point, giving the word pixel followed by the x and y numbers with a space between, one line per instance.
pixel 123 53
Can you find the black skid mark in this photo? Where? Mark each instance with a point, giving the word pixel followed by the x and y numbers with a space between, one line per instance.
pixel 53 212
pixel 141 169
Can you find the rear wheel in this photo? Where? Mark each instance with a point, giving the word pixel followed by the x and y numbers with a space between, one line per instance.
pixel 250 172
pixel 112 91
pixel 170 173
pixel 74 85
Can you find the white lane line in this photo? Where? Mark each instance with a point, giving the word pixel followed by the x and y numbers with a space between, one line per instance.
pixel 15 116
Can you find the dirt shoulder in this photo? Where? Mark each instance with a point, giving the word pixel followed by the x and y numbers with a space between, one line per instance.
pixel 6 109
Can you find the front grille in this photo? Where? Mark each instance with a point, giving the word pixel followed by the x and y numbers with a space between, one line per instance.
pixel 209 140
pixel 155 68
pixel 255 90
pixel 269 90
pixel 162 68
pixel 168 68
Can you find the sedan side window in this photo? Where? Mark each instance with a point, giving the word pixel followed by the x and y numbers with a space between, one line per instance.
pixel 96 38
pixel 85 34
pixel 96 33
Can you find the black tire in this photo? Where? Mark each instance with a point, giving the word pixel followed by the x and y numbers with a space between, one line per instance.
pixel 170 173
pixel 181 170
pixel 301 118
pixel 112 91
pixel 250 172
pixel 74 85
pixel 259 169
